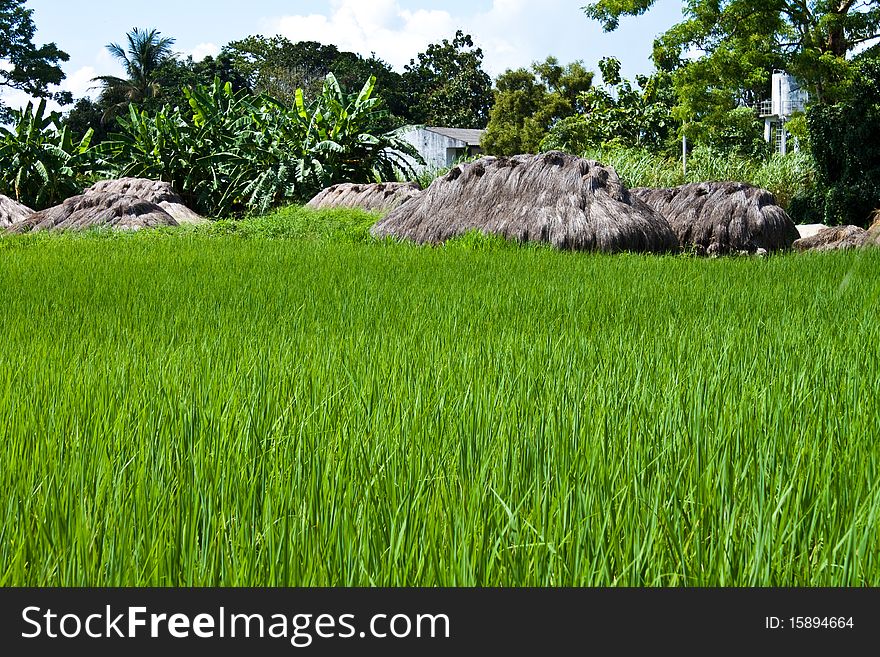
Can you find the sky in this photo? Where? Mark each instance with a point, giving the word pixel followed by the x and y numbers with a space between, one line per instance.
pixel 512 33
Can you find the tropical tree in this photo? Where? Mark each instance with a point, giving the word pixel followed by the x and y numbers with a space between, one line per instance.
pixel 620 113
pixel 744 39
pixel 40 163
pixel 278 67
pixel 448 86
pixel 233 152
pixel 30 68
pixel 142 59
pixel 528 103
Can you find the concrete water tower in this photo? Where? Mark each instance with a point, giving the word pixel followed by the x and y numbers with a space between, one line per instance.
pixel 787 99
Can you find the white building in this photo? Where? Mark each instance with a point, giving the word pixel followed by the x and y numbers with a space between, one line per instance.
pixel 787 99
pixel 443 147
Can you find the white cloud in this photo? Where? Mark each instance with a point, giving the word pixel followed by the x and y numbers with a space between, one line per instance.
pixel 512 33
pixel 366 26
pixel 204 50
pixel 80 83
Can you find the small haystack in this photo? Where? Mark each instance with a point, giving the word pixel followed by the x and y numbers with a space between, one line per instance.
pixel 723 217
pixel 835 238
pixel 381 197
pixel 153 191
pixel 874 230
pixel 12 212
pixel 557 198
pixel 97 211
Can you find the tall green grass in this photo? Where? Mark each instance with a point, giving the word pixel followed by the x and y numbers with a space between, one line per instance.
pixel 200 409
pixel 785 175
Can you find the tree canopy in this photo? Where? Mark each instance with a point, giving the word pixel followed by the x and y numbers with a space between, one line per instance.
pixel 528 103
pixel 30 68
pixel 746 39
pixel 447 85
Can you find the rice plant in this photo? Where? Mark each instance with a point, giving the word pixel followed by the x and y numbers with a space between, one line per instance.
pixel 194 408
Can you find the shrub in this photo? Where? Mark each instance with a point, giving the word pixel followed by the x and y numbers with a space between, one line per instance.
pixel 234 153
pixel 40 164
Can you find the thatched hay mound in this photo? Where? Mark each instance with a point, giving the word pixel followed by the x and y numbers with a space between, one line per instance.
pixel 874 230
pixel 153 191
pixel 381 197
pixel 97 211
pixel 12 212
pixel 557 198
pixel 723 217
pixel 835 238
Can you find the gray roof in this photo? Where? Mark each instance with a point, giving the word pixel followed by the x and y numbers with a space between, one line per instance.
pixel 469 137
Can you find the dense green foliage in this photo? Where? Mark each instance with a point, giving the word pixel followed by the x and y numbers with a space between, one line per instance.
pixel 845 142
pixel 40 162
pixel 278 67
pixel 234 152
pixel 617 113
pixel 446 85
pixel 27 67
pixel 528 103
pixel 743 40
pixel 200 409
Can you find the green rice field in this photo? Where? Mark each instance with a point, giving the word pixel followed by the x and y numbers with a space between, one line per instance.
pixel 209 407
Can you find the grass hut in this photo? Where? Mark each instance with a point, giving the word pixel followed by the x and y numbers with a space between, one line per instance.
pixel 836 238
pixel 12 212
pixel 97 210
pixel 153 191
pixel 718 218
pixel 381 197
pixel 567 201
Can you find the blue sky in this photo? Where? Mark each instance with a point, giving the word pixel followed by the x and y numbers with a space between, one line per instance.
pixel 512 33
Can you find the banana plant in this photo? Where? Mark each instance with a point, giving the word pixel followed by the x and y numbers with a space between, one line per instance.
pixel 40 162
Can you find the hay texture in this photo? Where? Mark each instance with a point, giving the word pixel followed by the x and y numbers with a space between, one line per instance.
pixel 12 212
pixel 721 218
pixel 153 191
pixel 381 197
pixel 572 203
pixel 836 238
pixel 874 230
pixel 96 210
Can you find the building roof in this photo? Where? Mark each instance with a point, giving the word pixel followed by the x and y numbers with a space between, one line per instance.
pixel 469 137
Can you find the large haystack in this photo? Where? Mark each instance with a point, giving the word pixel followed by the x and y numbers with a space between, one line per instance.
pixel 382 197
pixel 836 238
pixel 152 191
pixel 723 217
pixel 97 211
pixel 557 198
pixel 12 212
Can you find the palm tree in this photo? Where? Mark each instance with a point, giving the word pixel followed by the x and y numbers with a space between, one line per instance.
pixel 146 52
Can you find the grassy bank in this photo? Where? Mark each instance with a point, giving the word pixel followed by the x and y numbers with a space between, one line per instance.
pixel 194 408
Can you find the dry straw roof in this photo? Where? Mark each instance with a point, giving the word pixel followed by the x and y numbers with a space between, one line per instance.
pixel 380 197
pixel 723 217
pixel 834 239
pixel 567 201
pixel 12 212
pixel 152 191
pixel 96 210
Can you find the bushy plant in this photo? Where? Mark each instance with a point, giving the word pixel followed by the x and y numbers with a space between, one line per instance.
pixel 40 163
pixel 787 176
pixel 233 152
pixel 845 142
